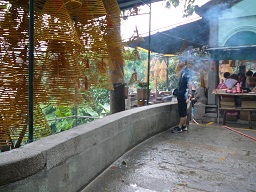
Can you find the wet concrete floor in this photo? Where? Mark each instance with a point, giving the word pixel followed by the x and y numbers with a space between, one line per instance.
pixel 206 158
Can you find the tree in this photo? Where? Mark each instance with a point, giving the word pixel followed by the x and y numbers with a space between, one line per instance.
pixel 137 64
pixel 172 76
pixel 189 7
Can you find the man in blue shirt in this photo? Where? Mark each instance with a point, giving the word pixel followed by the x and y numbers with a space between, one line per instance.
pixel 184 92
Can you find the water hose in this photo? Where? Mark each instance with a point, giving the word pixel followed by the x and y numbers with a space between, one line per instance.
pixel 243 134
pixel 250 137
pixel 195 121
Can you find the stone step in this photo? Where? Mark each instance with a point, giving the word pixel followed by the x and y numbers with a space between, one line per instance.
pixel 213 110
pixel 211 106
pixel 214 115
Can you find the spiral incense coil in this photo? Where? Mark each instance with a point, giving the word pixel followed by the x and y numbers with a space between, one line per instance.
pixel 62 76
pixel 88 97
pixel 5 139
pixel 157 69
pixel 19 132
pixel 114 41
pixel 117 75
pixel 93 42
pixel 113 10
pixel 96 7
pixel 41 94
pixel 73 7
pixel 54 23
pixel 87 26
pixel 24 4
pixel 41 126
pixel 104 81
pixel 14 27
pixel 39 4
pixel 163 71
pixel 135 55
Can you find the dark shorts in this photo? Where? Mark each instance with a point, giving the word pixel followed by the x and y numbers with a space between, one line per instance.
pixel 182 107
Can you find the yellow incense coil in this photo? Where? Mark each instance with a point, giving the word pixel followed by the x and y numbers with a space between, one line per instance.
pixel 93 42
pixel 96 7
pixel 113 10
pixel 14 27
pixel 117 75
pixel 73 7
pixel 63 73
pixel 54 23
pixel 41 126
pixel 163 71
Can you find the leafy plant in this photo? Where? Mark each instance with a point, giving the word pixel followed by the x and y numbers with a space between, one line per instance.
pixel 189 7
pixel 142 84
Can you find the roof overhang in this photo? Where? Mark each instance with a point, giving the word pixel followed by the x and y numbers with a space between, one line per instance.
pixel 245 52
pixel 172 41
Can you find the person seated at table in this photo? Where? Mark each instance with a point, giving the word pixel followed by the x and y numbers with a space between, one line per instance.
pixel 241 79
pixel 254 78
pixel 249 83
pixel 231 80
pixel 226 75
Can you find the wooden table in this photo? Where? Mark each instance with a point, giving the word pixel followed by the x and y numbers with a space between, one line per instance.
pixel 225 109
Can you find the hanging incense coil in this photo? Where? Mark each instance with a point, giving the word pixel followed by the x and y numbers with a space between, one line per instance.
pixel 5 140
pixel 39 4
pixel 62 76
pixel 157 68
pixel 10 27
pixel 41 125
pixel 62 72
pixel 14 72
pixel 73 7
pixel 93 42
pixel 113 10
pixel 135 55
pixel 105 82
pixel 96 7
pixel 88 98
pixel 41 94
pixel 19 131
pixel 54 23
pixel 163 71
pixel 117 75
pixel 24 4
pixel 114 42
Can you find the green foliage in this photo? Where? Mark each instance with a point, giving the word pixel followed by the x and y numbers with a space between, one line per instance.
pixel 189 7
pixel 102 97
pixel 63 111
pixel 52 113
pixel 106 108
pixel 174 80
pixel 142 84
pixel 139 65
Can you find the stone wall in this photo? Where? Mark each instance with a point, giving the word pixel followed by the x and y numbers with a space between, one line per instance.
pixel 68 161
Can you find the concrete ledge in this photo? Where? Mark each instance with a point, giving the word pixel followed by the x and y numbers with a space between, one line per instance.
pixel 68 161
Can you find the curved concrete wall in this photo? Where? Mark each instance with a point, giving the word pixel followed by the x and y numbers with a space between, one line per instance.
pixel 68 161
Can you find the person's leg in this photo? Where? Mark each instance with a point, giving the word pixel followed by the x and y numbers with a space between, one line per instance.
pixel 183 121
pixel 182 108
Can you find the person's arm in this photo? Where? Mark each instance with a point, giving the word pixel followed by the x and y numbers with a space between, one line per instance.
pixel 190 89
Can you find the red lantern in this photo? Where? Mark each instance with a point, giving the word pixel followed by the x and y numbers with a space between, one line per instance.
pixel 86 84
pixel 78 84
pixel 87 63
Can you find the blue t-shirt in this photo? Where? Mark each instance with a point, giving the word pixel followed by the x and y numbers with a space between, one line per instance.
pixel 184 80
